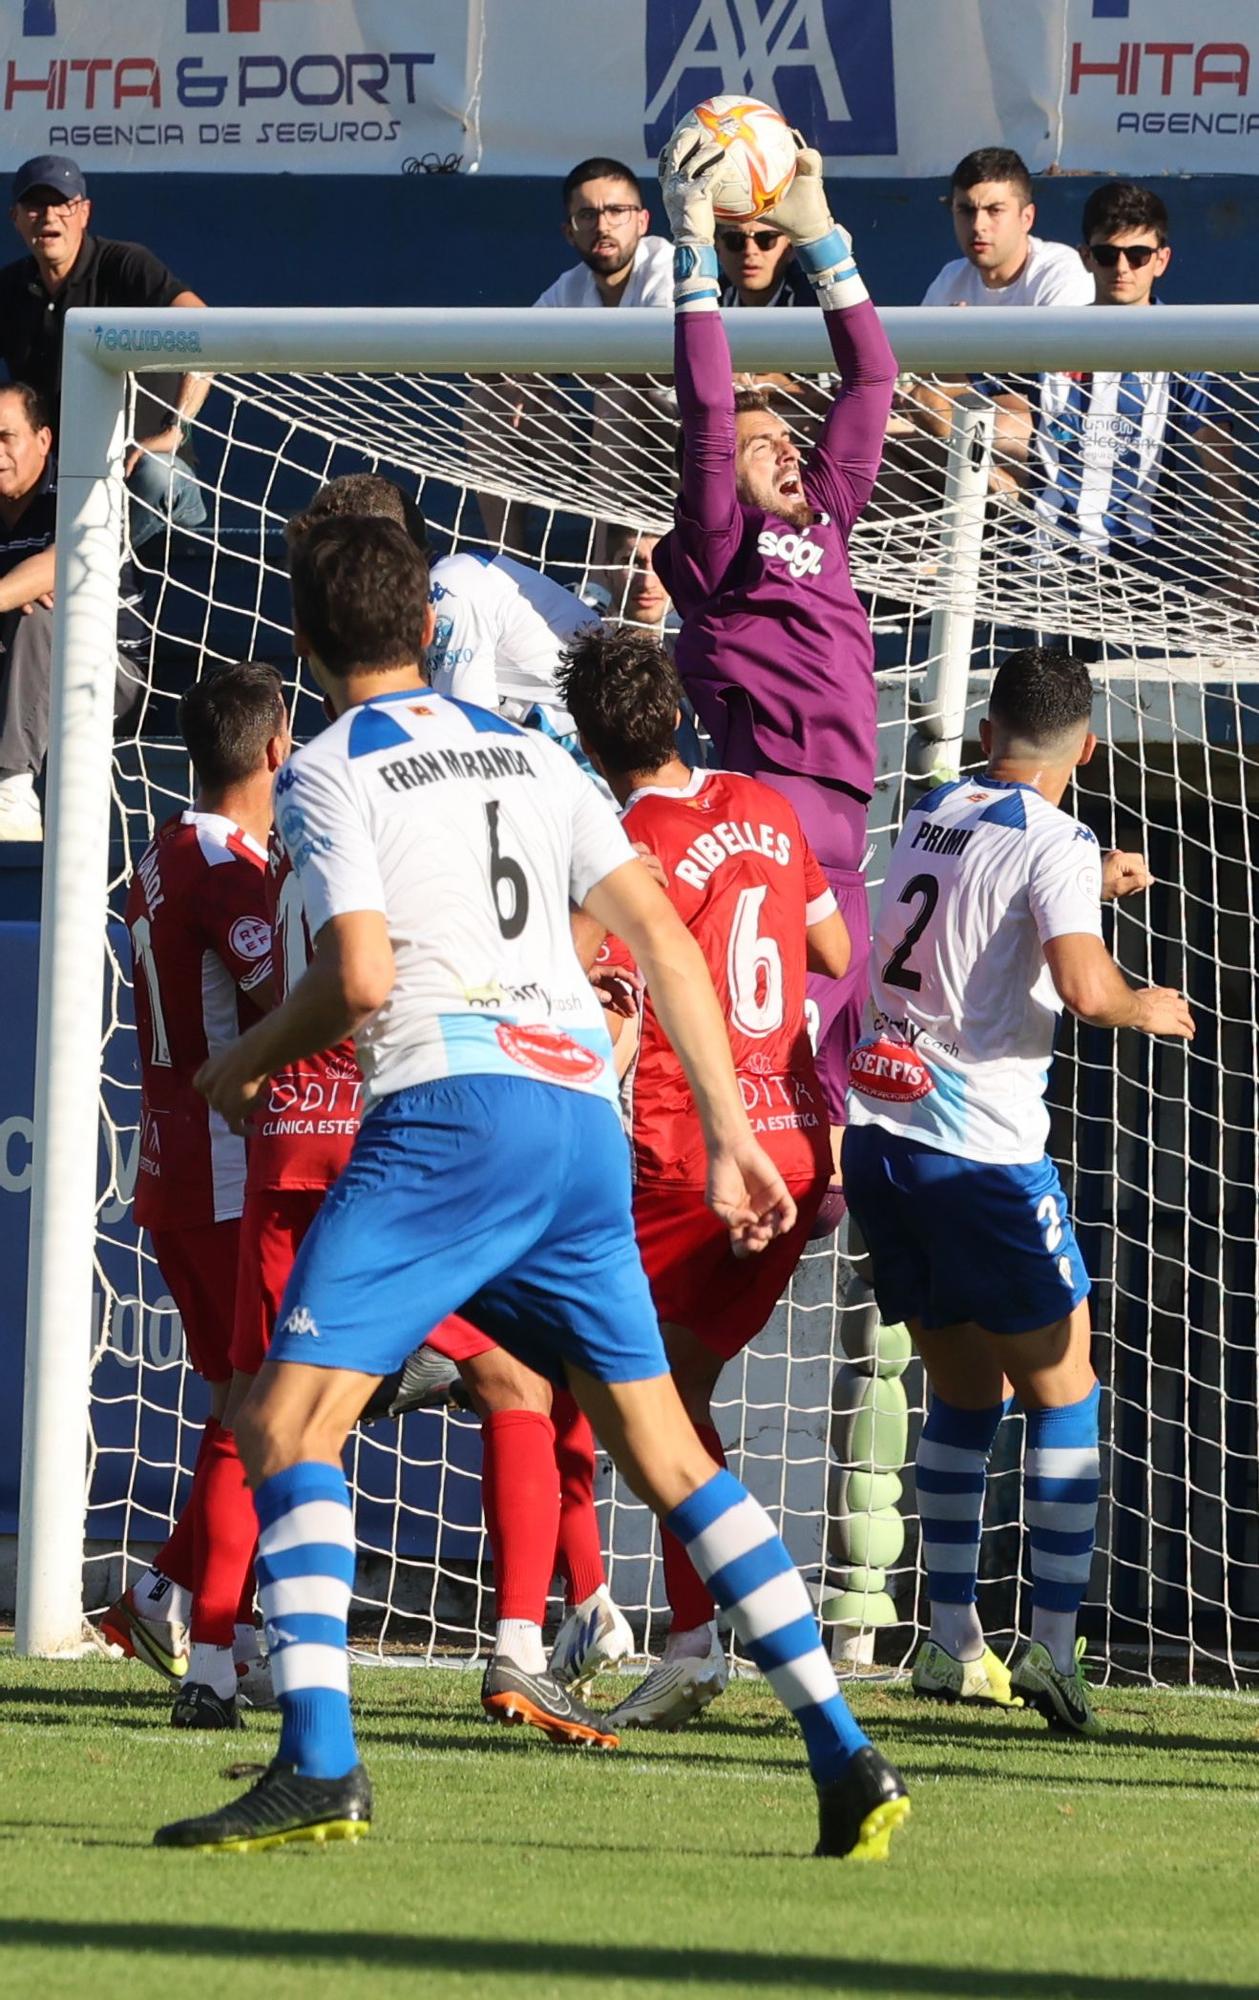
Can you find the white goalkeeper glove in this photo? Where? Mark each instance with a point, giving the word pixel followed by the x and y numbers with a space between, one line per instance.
pixel 823 248
pixel 689 165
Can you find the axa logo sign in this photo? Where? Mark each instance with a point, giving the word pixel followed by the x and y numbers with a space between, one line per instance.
pixel 201 17
pixel 826 64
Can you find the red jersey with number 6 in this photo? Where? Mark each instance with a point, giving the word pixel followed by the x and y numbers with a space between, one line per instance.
pixel 302 1137
pixel 201 946
pixel 746 884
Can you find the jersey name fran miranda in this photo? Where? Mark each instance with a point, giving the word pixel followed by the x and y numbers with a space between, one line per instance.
pixel 403 774
pixel 728 838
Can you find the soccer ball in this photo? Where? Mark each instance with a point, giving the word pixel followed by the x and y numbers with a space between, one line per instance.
pixel 760 162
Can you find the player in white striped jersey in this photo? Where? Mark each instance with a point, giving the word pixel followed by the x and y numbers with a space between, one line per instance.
pixel 989 923
pixel 439 848
pixel 1113 455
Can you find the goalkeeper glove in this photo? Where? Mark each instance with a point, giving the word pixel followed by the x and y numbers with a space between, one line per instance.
pixel 688 167
pixel 822 247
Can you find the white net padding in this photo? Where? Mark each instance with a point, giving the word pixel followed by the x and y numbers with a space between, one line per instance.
pixel 1157 1144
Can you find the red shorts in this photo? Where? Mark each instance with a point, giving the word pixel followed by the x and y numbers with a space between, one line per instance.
pixel 199 1269
pixel 697 1281
pixel 272 1225
pixel 458 1340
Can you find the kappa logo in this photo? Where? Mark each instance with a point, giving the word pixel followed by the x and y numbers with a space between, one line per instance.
pixel 826 64
pixel 301 1320
pixel 802 557
pixel 286 781
pixel 890 1071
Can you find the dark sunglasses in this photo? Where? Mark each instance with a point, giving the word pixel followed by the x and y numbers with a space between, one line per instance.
pixel 1108 254
pixel 764 239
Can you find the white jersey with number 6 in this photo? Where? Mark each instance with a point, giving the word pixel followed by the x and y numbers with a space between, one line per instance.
pixel 962 1005
pixel 470 836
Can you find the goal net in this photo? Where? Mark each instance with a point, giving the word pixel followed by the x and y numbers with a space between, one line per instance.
pixel 989 528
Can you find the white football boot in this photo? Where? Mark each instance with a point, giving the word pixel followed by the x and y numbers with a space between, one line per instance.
pixel 593 1637
pixel 674 1691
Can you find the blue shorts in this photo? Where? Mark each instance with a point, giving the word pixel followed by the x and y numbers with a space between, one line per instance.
pixel 500 1196
pixel 954 1240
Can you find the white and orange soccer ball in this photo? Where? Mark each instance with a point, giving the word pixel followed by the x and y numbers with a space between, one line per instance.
pixel 760 162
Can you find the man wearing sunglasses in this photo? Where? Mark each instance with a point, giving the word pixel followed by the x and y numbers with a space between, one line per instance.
pixel 1110 452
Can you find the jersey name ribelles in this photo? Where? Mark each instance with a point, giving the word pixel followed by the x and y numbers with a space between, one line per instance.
pixel 728 838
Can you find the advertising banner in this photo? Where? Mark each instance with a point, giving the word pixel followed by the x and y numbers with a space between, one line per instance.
pixel 882 87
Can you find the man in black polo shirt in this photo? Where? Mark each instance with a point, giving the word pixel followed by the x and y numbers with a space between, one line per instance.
pixel 28 522
pixel 68 267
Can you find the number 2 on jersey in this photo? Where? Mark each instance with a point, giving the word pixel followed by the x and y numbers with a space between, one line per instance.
pixel 898 971
pixel 754 969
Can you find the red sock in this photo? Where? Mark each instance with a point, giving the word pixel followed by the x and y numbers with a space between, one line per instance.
pixel 178 1560
pixel 578 1552
pixel 227 1529
pixel 689 1600
pixel 520 1498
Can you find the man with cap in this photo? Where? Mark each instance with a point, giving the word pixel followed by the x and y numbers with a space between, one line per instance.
pixel 68 267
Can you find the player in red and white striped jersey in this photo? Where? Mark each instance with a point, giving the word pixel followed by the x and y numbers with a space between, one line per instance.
pixel 742 877
pixel 201 943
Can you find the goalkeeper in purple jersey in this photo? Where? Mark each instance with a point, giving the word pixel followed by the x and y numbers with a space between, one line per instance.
pixel 775 649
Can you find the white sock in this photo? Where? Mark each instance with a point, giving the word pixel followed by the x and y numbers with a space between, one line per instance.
pixel 246 1645
pixel 693 1645
pixel 520 1641
pixel 158 1598
pixel 213 1666
pixel 1055 1630
pixel 956 1627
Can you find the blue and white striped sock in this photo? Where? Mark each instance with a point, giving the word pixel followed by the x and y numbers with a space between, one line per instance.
pixel 1062 1480
pixel 950 1471
pixel 730 1539
pixel 305 1576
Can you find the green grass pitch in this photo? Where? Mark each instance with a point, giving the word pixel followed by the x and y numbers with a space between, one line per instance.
pixel 1126 1869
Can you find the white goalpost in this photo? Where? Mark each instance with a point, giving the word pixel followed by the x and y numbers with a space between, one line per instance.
pixel 531 432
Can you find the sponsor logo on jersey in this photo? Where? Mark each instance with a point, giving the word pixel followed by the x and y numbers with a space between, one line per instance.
pixel 802 557
pixel 549 1054
pixel 286 781
pixel 889 1071
pixel 489 995
pixel 250 937
pixel 301 1320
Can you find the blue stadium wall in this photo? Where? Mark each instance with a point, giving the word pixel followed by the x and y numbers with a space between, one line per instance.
pixel 248 239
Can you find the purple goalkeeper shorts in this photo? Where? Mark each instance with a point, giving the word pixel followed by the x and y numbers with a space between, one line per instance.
pixel 834 824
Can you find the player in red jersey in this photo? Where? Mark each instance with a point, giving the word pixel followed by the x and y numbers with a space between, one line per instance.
pixel 742 877
pixel 201 941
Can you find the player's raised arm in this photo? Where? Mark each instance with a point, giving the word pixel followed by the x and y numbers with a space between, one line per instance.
pixel 845 461
pixel 704 379
pixel 744 1187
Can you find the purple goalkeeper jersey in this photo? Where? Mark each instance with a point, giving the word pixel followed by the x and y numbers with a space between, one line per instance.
pixel 775 650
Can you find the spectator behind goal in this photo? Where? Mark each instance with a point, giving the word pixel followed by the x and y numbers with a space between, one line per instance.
pixel 68 267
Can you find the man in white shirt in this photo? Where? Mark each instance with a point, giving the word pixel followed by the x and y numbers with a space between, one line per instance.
pixel 1002 263
pixel 439 849
pixel 605 220
pixel 990 922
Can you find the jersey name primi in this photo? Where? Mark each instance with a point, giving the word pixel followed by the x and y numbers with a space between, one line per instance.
pixel 962 1006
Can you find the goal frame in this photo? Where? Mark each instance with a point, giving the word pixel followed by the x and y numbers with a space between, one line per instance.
pixel 100 350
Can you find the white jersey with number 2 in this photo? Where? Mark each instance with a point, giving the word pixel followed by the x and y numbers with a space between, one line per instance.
pixel 962 1005
pixel 470 836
